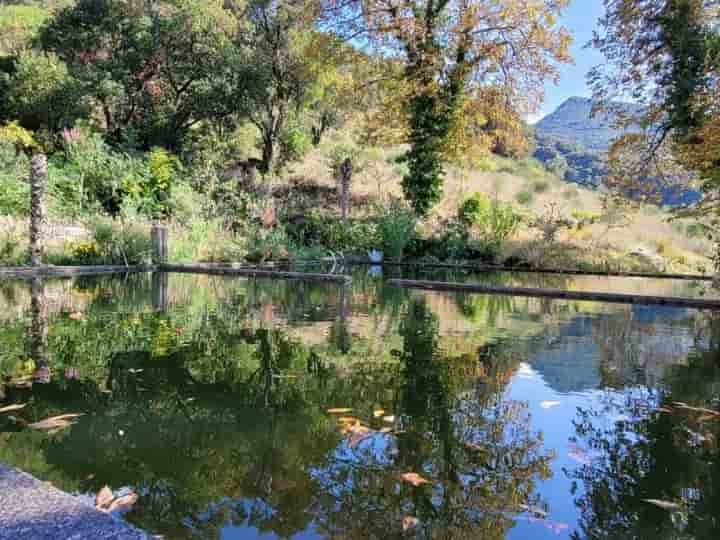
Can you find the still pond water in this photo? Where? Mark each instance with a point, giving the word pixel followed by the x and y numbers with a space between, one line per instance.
pixel 213 398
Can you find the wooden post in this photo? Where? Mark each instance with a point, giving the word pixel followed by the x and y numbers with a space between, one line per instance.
pixel 38 179
pixel 160 244
pixel 346 171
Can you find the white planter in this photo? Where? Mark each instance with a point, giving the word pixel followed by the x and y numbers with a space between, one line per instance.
pixel 375 256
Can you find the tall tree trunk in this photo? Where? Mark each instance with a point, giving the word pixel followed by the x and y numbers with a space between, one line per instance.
pixel 38 179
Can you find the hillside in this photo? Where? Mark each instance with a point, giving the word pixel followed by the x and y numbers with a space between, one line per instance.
pixel 572 143
pixel 574 124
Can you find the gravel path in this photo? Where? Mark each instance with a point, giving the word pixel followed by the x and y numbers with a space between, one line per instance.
pixel 34 510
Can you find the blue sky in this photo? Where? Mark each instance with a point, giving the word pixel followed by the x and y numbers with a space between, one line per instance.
pixel 581 19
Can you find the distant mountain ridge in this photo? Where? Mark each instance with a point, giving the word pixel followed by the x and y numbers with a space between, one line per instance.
pixel 572 143
pixel 573 122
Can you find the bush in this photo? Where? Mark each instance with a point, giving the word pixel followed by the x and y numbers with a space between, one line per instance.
pixel 266 244
pixel 319 230
pixel 109 243
pixel 14 189
pixel 495 221
pixel 396 224
pixel 524 197
pixel 541 186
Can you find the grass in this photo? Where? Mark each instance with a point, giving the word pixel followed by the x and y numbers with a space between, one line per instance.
pixel 607 243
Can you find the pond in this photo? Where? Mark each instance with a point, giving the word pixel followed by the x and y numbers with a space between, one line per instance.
pixel 267 409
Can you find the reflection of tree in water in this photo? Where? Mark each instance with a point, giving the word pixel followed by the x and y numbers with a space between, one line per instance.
pixel 215 422
pixel 648 454
pixel 476 449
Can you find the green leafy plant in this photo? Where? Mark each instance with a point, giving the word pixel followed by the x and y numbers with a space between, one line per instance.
pixel 494 220
pixel 396 228
pixel 524 197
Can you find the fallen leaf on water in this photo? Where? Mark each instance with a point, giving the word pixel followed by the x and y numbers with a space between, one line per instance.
pixel 104 498
pixel 339 410
pixel 410 522
pixel 414 478
pixel 389 419
pixel 378 413
pixel 123 503
pixel 55 423
pixel 549 404
pixel 665 505
pixel 13 407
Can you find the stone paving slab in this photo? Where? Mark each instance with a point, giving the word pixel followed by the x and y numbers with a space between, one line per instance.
pixel 35 510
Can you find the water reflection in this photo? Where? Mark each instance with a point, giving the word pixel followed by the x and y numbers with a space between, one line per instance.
pixel 210 398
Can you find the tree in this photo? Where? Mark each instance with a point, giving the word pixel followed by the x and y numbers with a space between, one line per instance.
pixel 452 49
pixel 662 54
pixel 139 62
pixel 41 93
pixel 18 25
pixel 277 41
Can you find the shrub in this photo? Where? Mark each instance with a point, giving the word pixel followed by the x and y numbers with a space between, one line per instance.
pixel 396 224
pixel 541 186
pixel 295 142
pixel 524 197
pixel 110 243
pixel 320 230
pixel 14 189
pixel 495 221
pixel 266 244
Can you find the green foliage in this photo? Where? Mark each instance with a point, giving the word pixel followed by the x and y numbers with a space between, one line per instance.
pixel 111 243
pixel 321 230
pixel 18 26
pixel 139 65
pixel 295 142
pixel 266 244
pixel 396 228
pixel 422 185
pixel 149 193
pixel 337 155
pixel 20 138
pixel 495 221
pixel 41 93
pixel 14 188
pixel 524 197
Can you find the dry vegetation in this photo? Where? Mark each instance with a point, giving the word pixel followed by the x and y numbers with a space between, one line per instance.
pixel 626 238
